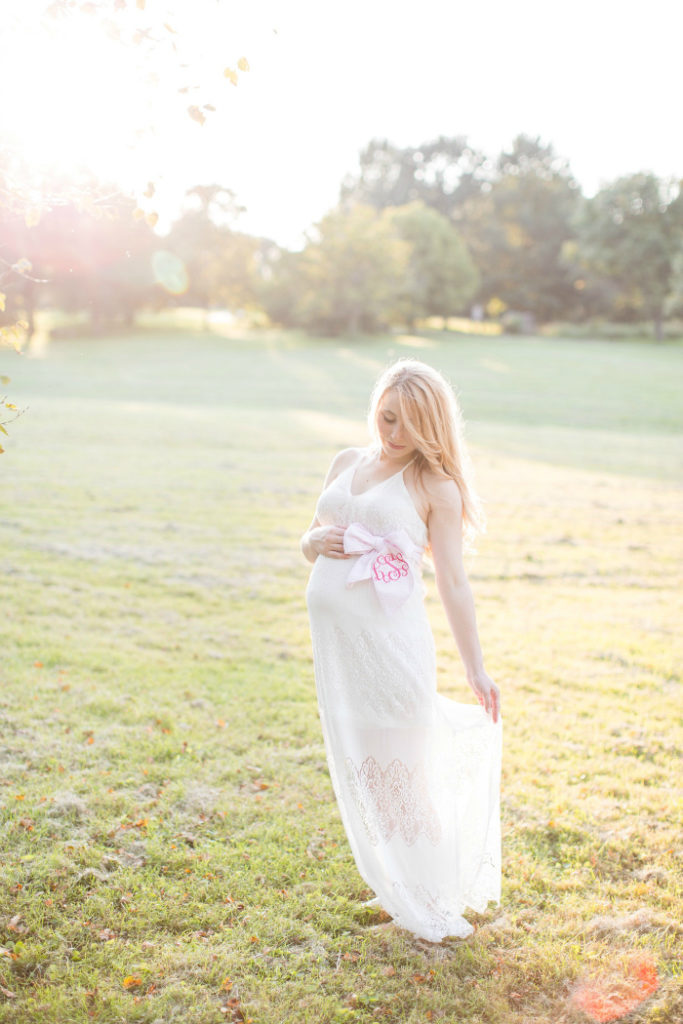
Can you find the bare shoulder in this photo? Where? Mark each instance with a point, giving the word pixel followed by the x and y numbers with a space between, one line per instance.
pixel 441 492
pixel 342 460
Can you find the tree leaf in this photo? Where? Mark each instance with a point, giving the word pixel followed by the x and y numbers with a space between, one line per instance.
pixel 2 302
pixel 152 219
pixel 196 114
pixel 4 381
pixel 243 64
pixel 138 214
pixel 231 74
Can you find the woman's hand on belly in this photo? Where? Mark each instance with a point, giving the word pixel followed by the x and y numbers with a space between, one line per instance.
pixel 328 541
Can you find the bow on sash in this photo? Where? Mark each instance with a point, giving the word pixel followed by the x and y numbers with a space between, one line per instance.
pixel 383 560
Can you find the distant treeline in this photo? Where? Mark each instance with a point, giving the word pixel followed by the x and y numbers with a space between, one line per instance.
pixel 432 230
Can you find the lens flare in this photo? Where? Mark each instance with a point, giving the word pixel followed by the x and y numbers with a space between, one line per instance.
pixel 169 271
pixel 609 997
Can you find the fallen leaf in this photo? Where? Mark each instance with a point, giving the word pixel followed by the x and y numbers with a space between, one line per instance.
pixel 132 981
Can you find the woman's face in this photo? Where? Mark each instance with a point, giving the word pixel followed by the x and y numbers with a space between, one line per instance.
pixel 392 434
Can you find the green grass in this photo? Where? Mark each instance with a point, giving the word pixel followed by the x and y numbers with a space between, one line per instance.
pixel 166 813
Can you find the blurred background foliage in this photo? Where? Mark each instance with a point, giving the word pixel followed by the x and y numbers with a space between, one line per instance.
pixel 433 231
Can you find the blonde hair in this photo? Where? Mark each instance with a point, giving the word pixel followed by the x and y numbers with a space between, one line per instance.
pixel 433 422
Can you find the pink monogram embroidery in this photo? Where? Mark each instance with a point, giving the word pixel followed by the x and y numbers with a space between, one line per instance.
pixel 385 561
pixel 390 567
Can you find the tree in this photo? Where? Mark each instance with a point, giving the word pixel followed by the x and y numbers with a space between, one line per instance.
pixel 441 277
pixel 443 174
pixel 348 278
pixel 93 257
pixel 220 262
pixel 30 191
pixel 629 236
pixel 517 228
pixel 674 300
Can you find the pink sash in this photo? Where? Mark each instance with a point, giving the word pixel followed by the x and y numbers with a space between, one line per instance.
pixel 383 560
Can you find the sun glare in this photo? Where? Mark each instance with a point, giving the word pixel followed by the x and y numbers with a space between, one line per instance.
pixel 80 100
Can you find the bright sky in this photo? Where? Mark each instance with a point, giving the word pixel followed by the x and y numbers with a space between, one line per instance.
pixel 598 78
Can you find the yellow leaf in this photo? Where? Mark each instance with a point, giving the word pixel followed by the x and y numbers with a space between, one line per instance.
pixel 243 64
pixel 169 28
pixel 3 430
pixel 2 302
pixel 149 191
pixel 2 450
pixel 138 214
pixel 32 217
pixel 196 115
pixel 23 324
pixel 231 74
pixel 132 980
pixel 152 219
pixel 4 380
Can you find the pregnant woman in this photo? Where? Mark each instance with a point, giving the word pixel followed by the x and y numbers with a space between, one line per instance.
pixel 416 775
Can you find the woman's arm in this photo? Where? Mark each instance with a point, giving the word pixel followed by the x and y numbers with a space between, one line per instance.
pixel 328 540
pixel 445 538
pixel 323 540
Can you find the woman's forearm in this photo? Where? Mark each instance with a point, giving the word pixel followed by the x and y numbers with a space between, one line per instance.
pixel 456 597
pixel 307 548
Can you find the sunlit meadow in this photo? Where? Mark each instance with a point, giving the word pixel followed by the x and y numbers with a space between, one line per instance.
pixel 171 848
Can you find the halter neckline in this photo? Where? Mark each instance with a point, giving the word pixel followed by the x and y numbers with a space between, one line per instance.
pixel 379 483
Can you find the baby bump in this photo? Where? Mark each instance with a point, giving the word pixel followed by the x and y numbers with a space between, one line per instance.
pixel 329 597
pixel 330 594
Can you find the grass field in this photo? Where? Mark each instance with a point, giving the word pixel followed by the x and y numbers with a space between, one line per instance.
pixel 170 846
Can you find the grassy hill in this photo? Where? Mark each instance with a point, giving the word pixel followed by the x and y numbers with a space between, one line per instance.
pixel 170 842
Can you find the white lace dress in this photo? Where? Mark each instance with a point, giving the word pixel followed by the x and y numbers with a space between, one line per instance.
pixel 416 776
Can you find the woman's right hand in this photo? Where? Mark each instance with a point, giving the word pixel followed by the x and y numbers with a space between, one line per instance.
pixel 328 541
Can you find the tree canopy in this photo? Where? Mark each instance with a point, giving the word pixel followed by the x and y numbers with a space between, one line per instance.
pixel 629 241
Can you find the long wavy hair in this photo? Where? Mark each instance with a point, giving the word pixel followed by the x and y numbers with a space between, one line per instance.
pixel 433 422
